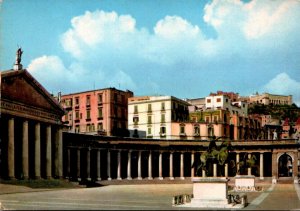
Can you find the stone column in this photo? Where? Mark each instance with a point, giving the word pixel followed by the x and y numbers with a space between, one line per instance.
pixel 171 166
pixel 274 167
pixel 237 163
pixel 150 166
pixel 192 162
pixel 249 169
pixel 69 163
pixel 11 149
pixel 160 166
pixel 140 166
pixel 25 155
pixel 215 173
pixel 119 166
pixel 203 173
pixel 58 161
pixel 48 154
pixel 78 165
pixel 129 166
pixel 88 164
pixel 226 169
pixel 261 166
pixel 37 151
pixel 181 166
pixel 108 165
pixel 98 164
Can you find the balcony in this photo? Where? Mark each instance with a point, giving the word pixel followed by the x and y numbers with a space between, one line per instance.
pixel 196 134
pixel 182 134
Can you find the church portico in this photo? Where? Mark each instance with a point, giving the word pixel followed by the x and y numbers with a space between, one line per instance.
pixel 31 133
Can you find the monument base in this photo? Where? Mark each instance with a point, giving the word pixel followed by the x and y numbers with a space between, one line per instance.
pixel 209 192
pixel 244 183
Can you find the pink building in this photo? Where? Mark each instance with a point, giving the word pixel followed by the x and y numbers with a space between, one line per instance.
pixel 102 111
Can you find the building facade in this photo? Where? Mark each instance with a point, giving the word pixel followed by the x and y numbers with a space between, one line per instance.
pixel 102 111
pixel 31 129
pixel 268 99
pixel 152 116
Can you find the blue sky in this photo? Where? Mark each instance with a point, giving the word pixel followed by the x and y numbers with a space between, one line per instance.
pixel 169 47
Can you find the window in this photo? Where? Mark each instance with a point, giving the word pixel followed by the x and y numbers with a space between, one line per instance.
pixel 70 116
pixel 226 100
pixel 196 130
pixel 99 98
pixel 135 120
pixel 68 102
pixel 100 114
pixel 208 100
pixel 149 119
pixel 66 117
pixel 88 114
pixel 163 118
pixel 77 101
pixel 88 128
pixel 211 131
pixel 215 118
pixel 88 100
pixel 163 106
pixel 149 108
pixel 77 129
pixel 76 114
pixel 115 97
pixel 207 119
pixel 135 109
pixel 100 126
pixel 182 129
pixel 218 100
pixel 92 127
pixel 149 131
pixel 163 131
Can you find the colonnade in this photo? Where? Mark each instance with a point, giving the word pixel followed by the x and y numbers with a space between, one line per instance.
pixel 37 161
pixel 124 160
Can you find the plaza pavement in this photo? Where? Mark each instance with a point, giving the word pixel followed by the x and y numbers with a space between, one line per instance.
pixel 137 195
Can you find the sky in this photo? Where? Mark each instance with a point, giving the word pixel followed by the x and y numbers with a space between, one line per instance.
pixel 183 48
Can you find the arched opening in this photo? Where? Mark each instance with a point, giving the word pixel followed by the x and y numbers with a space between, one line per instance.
pixel 285 166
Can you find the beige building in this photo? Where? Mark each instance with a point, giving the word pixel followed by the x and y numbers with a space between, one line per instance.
pixel 152 116
pixel 268 99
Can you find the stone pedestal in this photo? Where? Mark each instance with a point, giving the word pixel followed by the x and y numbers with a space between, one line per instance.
pixel 244 183
pixel 211 192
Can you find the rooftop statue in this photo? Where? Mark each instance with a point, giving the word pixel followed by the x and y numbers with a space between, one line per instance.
pixel 19 56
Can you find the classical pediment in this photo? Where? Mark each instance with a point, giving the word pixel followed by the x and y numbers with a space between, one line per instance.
pixel 21 94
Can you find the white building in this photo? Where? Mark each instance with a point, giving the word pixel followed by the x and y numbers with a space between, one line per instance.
pixel 224 102
pixel 151 116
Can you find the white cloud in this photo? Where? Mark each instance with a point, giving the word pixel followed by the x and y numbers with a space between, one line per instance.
pixel 51 72
pixel 174 27
pixel 283 84
pixel 107 49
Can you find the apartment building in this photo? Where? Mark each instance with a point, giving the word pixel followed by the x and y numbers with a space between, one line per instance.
pixel 152 116
pixel 101 111
pixel 224 102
